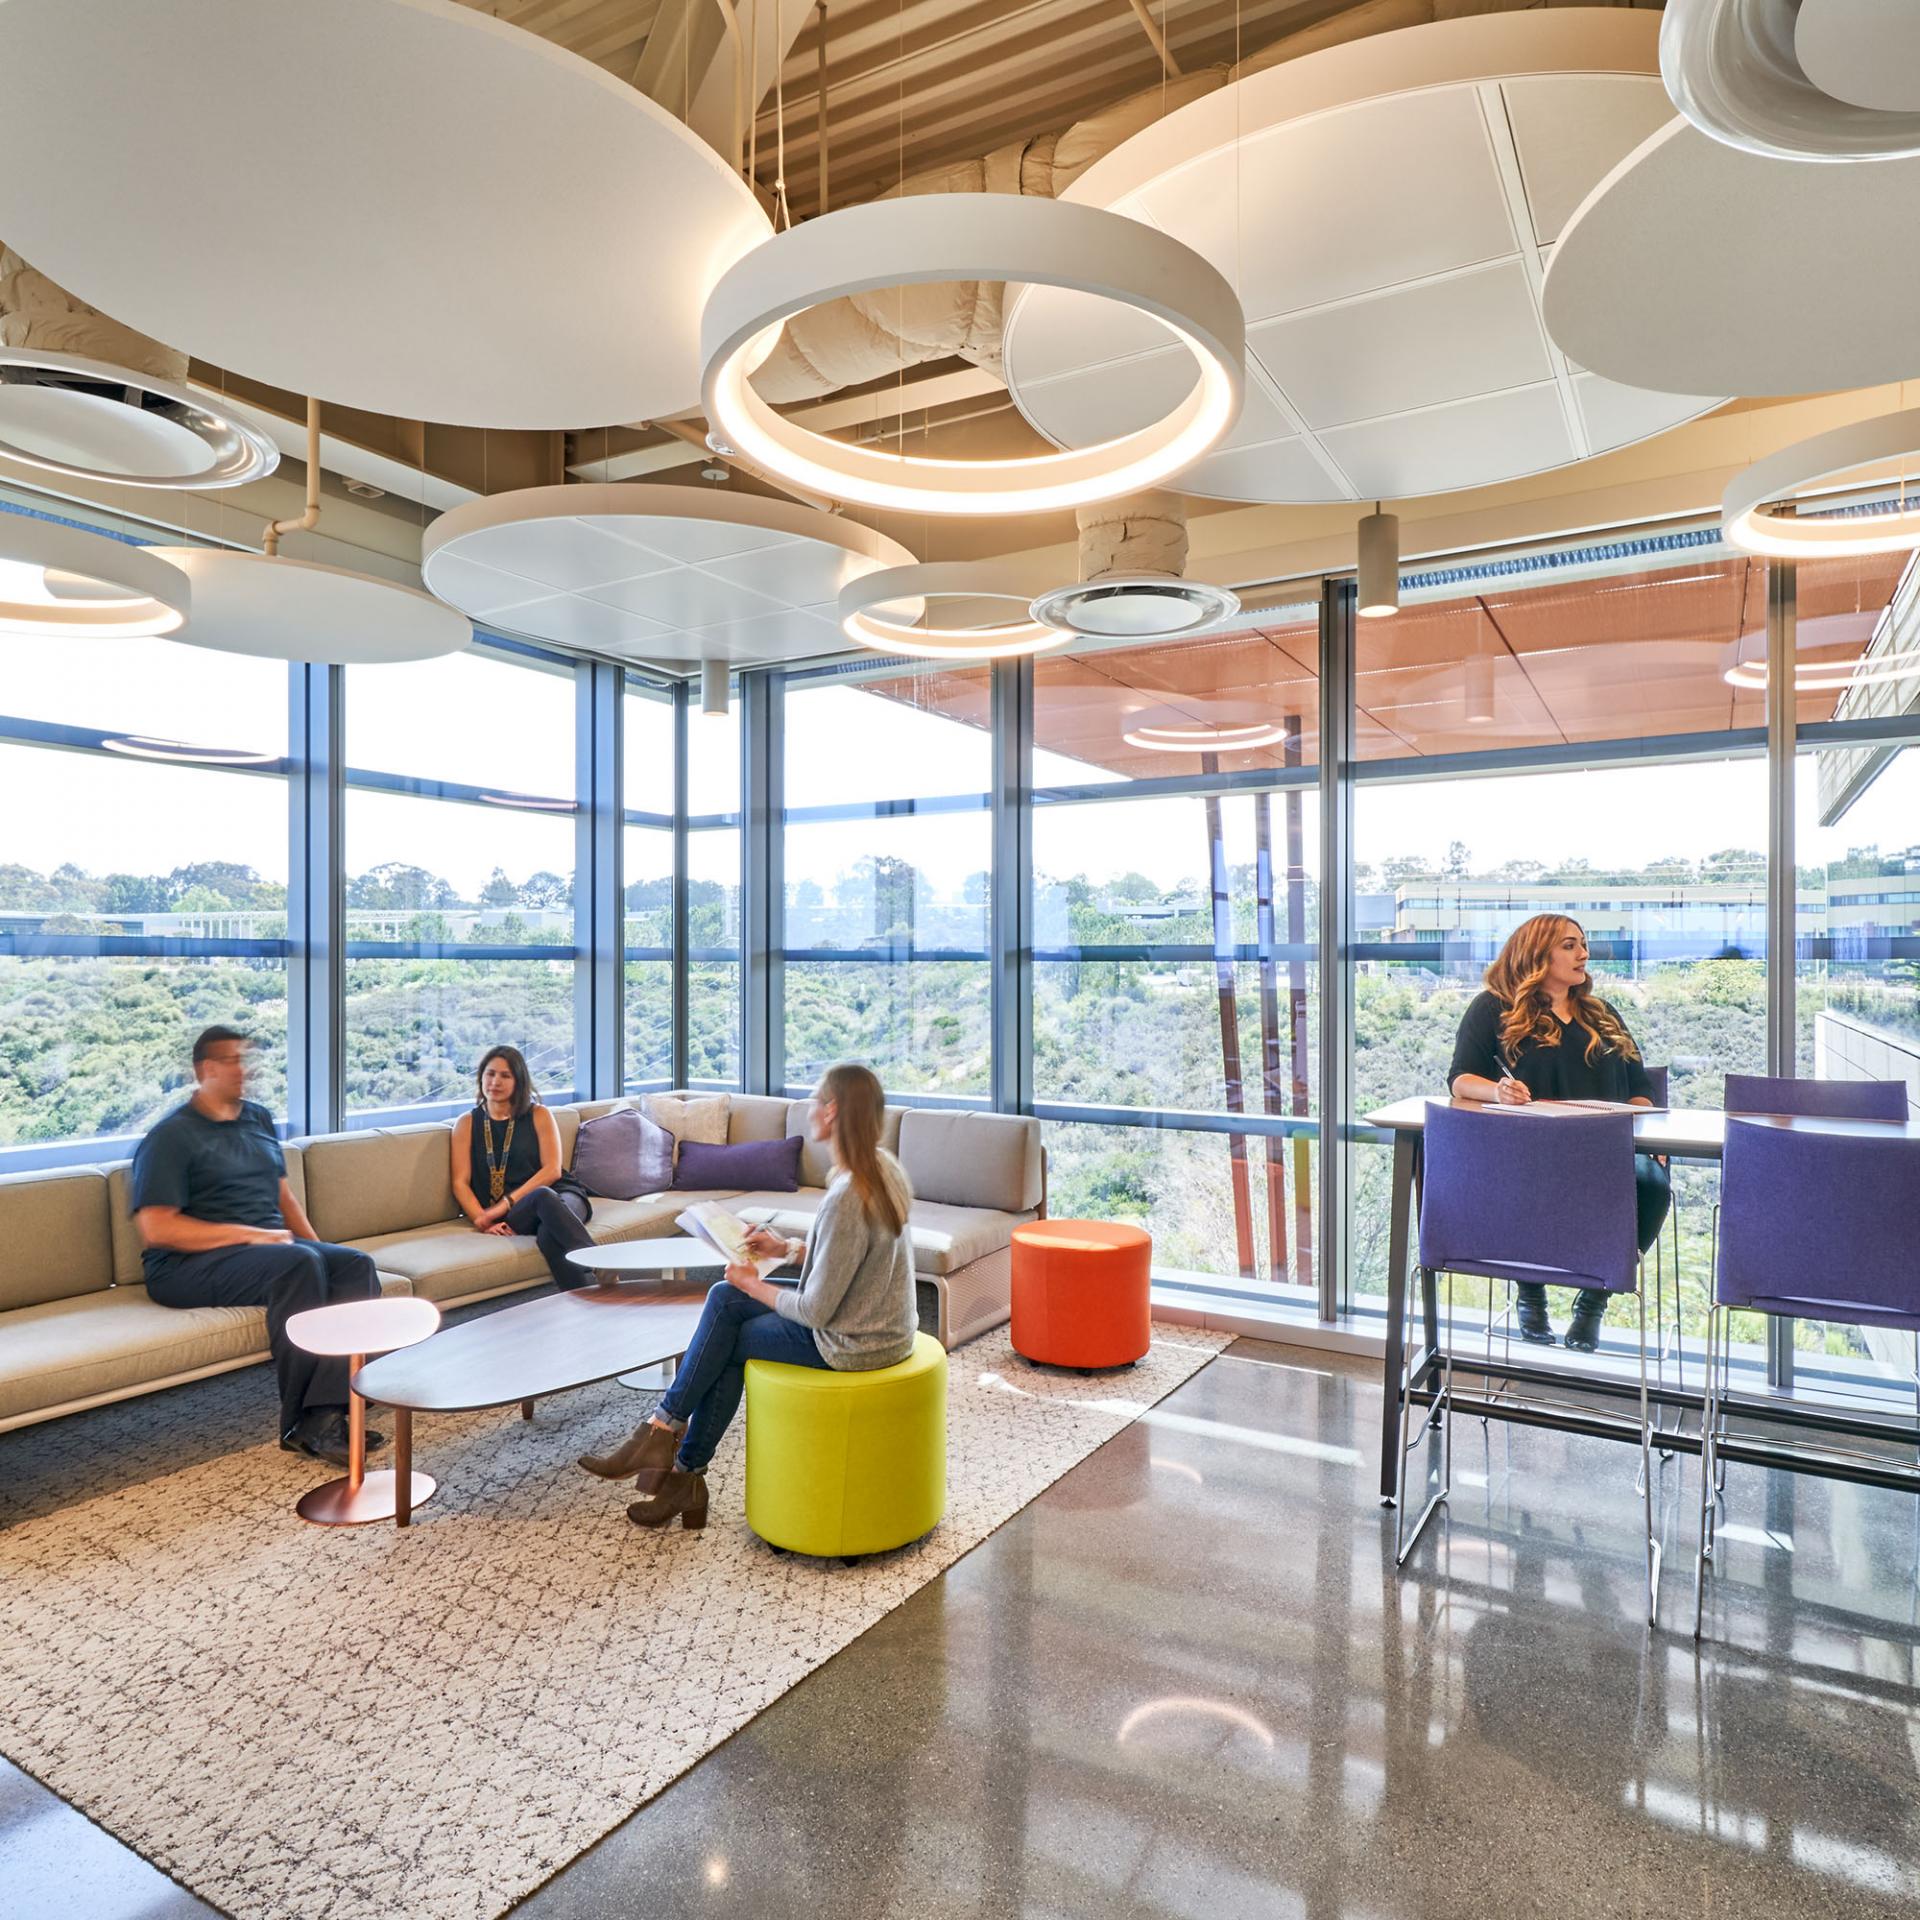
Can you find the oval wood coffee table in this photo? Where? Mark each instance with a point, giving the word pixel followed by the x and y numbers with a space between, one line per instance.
pixel 520 1353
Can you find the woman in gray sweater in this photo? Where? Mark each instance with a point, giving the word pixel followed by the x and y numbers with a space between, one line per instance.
pixel 853 1308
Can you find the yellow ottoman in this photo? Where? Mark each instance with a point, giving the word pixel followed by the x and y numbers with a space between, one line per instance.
pixel 847 1463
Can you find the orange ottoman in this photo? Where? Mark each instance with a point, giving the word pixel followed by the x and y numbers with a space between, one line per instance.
pixel 1080 1292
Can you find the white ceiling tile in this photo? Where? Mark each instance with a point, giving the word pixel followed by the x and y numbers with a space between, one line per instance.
pixel 671 540
pixel 1324 208
pixel 1415 346
pixel 1472 443
pixel 575 622
pixel 1281 472
pixel 1571 131
pixel 560 553
pixel 803 573
pixel 791 635
pixel 1056 331
pixel 1616 416
pixel 683 597
pixel 1102 402
pixel 479 591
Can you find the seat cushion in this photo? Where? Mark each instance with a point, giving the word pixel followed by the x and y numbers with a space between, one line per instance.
pixel 448 1262
pixel 382 1180
pixel 755 1116
pixel 944 1238
pixel 56 1233
pixel 650 1216
pixel 972 1159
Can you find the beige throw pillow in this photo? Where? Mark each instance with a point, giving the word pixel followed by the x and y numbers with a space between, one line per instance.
pixel 692 1116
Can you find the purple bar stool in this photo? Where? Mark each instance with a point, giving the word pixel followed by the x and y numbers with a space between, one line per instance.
pixel 1515 1196
pixel 1825 1099
pixel 1821 1226
pixel 1657 1092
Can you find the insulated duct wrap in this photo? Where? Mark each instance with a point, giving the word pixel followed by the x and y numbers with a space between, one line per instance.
pixel 36 313
pixel 1145 533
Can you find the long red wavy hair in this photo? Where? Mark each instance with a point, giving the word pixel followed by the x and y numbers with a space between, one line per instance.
pixel 1518 980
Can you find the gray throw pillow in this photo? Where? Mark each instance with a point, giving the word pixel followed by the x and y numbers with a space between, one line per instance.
pixel 621 1155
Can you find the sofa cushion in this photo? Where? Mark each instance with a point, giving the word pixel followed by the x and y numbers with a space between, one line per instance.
pixel 446 1262
pixel 649 1216
pixel 972 1159
pixel 623 1154
pixel 944 1238
pixel 120 1340
pixel 692 1116
pixel 57 1235
pixel 127 1269
pixel 772 1164
pixel 755 1116
pixel 383 1180
pixel 816 1157
pixel 593 1109
pixel 567 1119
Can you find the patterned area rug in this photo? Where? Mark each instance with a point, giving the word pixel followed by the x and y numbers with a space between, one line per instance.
pixel 362 1723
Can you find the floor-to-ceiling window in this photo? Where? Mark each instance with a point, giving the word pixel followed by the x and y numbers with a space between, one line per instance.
pixel 143 879
pixel 1561 736
pixel 887 859
pixel 713 895
pixel 459 876
pixel 1175 921
pixel 648 786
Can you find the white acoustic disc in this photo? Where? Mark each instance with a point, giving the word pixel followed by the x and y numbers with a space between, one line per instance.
pixel 403 205
pixel 654 572
pixel 1669 275
pixel 1394 342
pixel 281 609
pixel 1865 52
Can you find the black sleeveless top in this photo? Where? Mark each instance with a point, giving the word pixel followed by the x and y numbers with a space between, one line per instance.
pixel 519 1157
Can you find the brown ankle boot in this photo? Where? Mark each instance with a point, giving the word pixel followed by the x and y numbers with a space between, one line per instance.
pixel 649 1453
pixel 684 1494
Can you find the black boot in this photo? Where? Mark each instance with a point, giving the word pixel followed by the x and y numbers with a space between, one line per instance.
pixel 1530 1310
pixel 1583 1331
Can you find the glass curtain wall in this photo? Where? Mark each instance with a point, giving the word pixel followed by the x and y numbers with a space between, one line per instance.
pixel 1175 929
pixel 143 881
pixel 887 857
pixel 459 876
pixel 713 894
pixel 649 781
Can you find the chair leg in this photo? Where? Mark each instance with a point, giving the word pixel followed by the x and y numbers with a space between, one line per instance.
pixel 1709 1433
pixel 1646 1470
pixel 1404 1539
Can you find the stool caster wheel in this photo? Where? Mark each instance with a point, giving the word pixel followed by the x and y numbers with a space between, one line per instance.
pixel 850 1559
pixel 781 1551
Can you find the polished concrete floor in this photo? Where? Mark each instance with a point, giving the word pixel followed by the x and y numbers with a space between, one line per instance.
pixel 1187 1682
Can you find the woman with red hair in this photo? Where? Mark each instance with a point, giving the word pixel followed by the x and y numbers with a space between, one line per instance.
pixel 1540 1032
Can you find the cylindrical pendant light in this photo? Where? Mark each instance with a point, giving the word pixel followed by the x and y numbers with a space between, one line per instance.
pixel 1379 565
pixel 713 689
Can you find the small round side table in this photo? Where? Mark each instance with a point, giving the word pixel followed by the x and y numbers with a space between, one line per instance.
pixel 653 1260
pixel 353 1329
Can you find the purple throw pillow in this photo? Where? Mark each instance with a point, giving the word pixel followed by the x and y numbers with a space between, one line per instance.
pixel 623 1154
pixel 754 1166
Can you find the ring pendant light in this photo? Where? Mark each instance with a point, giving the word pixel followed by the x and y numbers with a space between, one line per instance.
pixel 1746 508
pixel 60 582
pixel 923 240
pixel 92 420
pixel 1207 737
pixel 956 579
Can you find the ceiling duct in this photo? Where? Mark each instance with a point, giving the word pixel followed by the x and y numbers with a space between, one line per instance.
pixel 1133 558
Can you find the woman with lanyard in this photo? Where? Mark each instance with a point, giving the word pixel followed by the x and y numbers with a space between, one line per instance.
pixel 507 1176
pixel 1540 1032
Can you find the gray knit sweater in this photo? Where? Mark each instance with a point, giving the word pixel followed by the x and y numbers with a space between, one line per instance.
pixel 856 1283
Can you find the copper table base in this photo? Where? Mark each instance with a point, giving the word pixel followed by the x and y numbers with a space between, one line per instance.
pixel 340 1503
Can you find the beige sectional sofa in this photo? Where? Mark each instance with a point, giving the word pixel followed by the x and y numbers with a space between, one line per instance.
pixel 77 1329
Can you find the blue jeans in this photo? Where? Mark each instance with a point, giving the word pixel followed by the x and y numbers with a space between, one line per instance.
pixel 706 1391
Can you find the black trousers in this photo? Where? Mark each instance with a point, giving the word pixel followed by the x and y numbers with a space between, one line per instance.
pixel 555 1217
pixel 286 1278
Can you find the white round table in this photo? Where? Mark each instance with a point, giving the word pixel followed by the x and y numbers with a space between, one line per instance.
pixel 352 1329
pixel 652 1259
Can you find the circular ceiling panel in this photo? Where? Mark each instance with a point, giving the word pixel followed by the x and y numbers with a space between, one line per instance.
pixel 466 224
pixel 654 572
pixel 1670 275
pixel 281 609
pixel 1395 345
pixel 1865 52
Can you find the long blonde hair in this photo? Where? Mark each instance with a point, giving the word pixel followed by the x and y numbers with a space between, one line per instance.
pixel 1518 980
pixel 859 1106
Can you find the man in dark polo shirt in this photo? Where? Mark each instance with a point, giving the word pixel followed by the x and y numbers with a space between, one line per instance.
pixel 222 1228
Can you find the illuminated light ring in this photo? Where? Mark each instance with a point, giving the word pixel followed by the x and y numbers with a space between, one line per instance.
pixel 940 580
pixel 135 594
pixel 237 447
pixel 1831 676
pixel 1207 739
pixel 1183 1704
pixel 1747 523
pixel 959 237
pixel 1732 68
